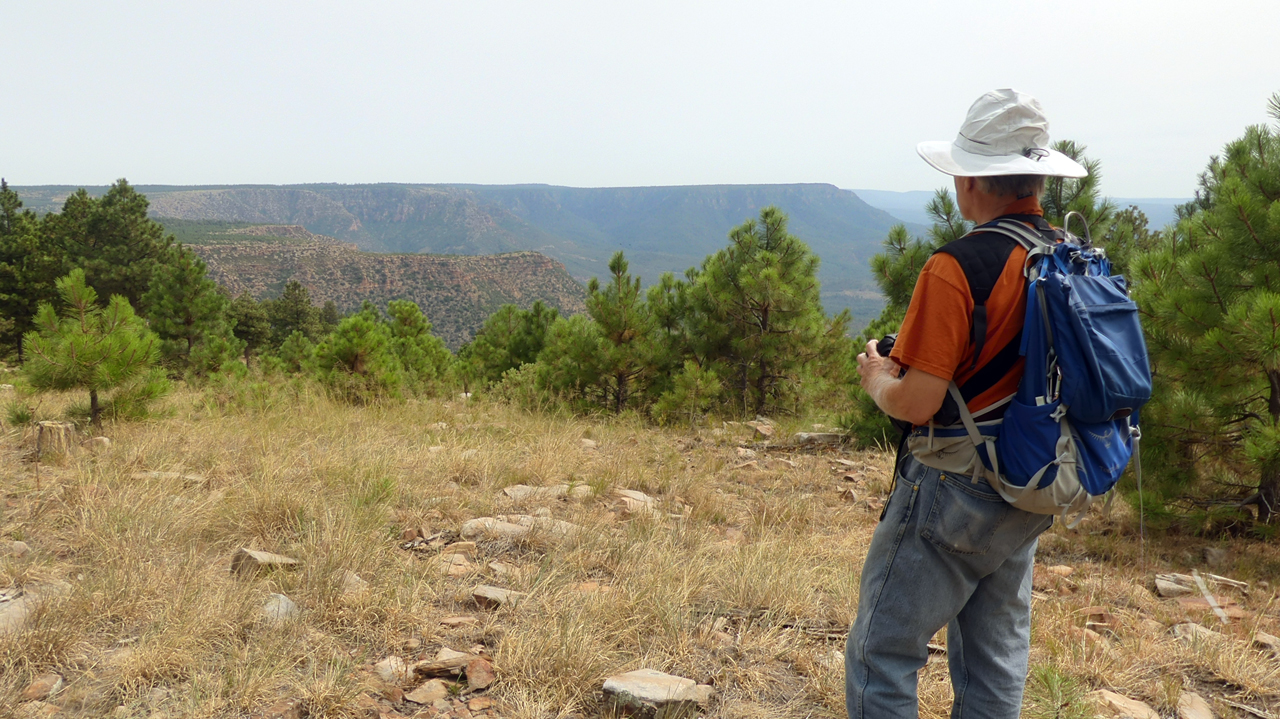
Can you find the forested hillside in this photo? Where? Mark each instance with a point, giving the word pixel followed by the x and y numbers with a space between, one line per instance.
pixel 660 228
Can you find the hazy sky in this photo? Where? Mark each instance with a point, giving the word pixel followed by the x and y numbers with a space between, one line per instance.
pixel 606 93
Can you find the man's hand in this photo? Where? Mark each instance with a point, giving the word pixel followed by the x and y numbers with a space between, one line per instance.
pixel 871 363
pixel 915 397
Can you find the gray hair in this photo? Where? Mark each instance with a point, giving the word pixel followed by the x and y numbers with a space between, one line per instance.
pixel 1017 185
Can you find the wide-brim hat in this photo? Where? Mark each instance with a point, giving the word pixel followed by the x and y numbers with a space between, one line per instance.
pixel 1005 133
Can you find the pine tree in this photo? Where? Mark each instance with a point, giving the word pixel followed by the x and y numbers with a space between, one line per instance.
pixel 88 347
pixel 572 362
pixel 329 317
pixel 29 269
pixel 111 238
pixel 358 360
pixel 249 323
pixel 1210 291
pixel 757 315
pixel 293 312
pixel 619 311
pixel 1083 195
pixel 509 338
pixel 189 313
pixel 423 357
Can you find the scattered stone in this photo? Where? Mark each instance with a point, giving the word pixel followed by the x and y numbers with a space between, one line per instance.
pixel 17 606
pixel 848 494
pixel 1266 642
pixel 285 709
pixel 1192 633
pixel 489 597
pixel 1087 636
pixel 650 693
pixel 491 528
pixel 465 549
pixel 1116 705
pixel 353 585
pixel 763 429
pixel 96 445
pixel 502 570
pixel 247 562
pixel 412 644
pixel 752 465
pixel 1100 620
pixel 779 464
pixel 368 708
pixel 592 588
pixel 36 710
pixel 42 687
pixel 454 622
pixel 635 502
pixel 393 670
pixel 469 454
pixel 852 477
pixel 1201 604
pixel 480 674
pixel 429 693
pixel 1060 570
pixel 279 608
pixel 1171 585
pixel 19 549
pixel 744 453
pixel 1215 557
pixel 479 704
pixel 455 565
pixel 410 533
pixel 817 438
pixel 6 388
pixel 580 491
pixel 588 443
pixel 447 663
pixel 1151 626
pixel 1193 706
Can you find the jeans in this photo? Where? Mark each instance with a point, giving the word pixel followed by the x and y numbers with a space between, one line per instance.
pixel 947 552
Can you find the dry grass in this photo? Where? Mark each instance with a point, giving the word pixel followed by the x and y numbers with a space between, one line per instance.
pixel 747 578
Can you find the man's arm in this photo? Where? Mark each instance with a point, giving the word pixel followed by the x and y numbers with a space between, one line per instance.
pixel 915 397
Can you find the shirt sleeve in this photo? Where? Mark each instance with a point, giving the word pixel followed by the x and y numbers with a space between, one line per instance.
pixel 934 336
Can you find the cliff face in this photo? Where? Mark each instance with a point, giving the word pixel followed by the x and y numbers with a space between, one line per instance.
pixel 457 293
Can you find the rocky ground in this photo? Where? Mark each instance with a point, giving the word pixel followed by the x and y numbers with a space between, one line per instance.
pixel 284 556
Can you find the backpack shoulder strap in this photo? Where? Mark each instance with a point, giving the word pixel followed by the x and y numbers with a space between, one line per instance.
pixel 982 255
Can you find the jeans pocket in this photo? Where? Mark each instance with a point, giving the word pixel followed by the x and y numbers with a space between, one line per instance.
pixel 964 517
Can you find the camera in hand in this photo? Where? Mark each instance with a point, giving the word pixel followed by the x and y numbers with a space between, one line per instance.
pixel 885 345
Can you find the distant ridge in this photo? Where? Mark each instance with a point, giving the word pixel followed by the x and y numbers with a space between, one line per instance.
pixel 660 228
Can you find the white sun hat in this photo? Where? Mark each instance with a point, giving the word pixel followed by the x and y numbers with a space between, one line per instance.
pixel 1005 133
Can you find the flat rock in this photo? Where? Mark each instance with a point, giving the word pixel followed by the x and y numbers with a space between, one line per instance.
pixel 524 493
pixel 36 710
pixel 503 570
pixel 1193 706
pixel 429 693
pixel 1117 705
pixel 279 608
pixel 490 597
pixel 1192 633
pixel 492 528
pixel 42 687
pixel 459 621
pixel 1200 604
pixel 744 453
pixel 480 674
pixel 779 464
pixel 763 430
pixel 588 443
pixel 17 607
pixel 19 549
pixel 247 562
pixel 817 438
pixel 648 692
pixel 1060 570
pixel 393 670
pixel 1266 642
pixel 455 565
pixel 96 445
pixel 353 585
pixel 479 704
pixel 446 663
pixel 1173 585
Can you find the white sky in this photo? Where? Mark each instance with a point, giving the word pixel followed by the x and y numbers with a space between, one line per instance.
pixel 608 93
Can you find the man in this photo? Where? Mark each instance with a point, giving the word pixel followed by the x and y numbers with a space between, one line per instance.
pixel 949 550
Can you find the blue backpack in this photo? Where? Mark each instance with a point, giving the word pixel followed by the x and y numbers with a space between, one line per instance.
pixel 1072 427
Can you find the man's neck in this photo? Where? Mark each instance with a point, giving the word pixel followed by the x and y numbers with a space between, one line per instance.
pixel 1006 206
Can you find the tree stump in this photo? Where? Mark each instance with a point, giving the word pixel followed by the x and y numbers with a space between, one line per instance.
pixel 55 438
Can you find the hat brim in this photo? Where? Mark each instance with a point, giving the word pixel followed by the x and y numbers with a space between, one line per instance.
pixel 945 157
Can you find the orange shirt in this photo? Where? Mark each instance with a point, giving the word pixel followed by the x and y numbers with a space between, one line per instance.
pixel 935 334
